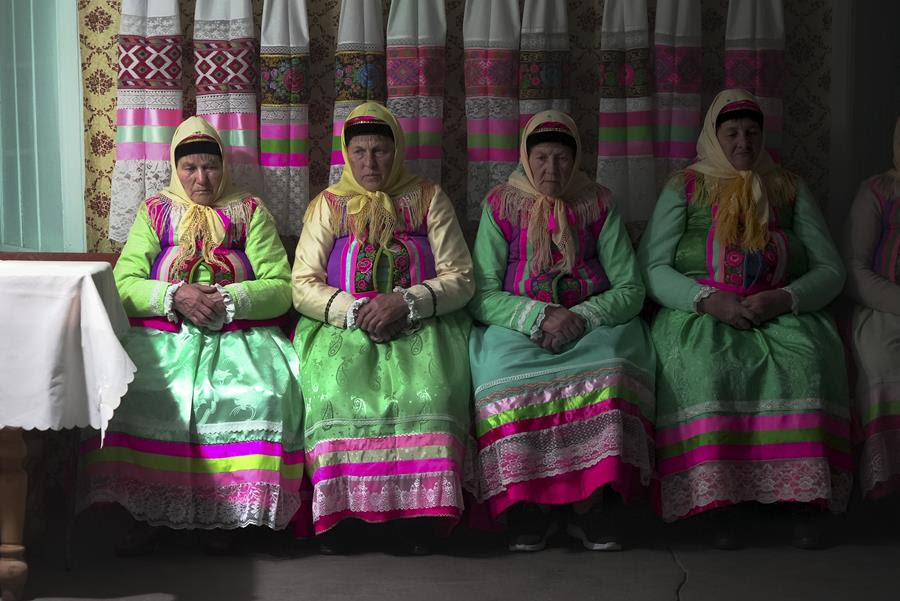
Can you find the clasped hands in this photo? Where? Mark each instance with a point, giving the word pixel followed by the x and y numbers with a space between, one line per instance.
pixel 746 312
pixel 383 317
pixel 202 305
pixel 560 327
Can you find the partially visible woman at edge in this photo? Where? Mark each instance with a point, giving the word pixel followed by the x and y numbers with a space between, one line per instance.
pixel 209 435
pixel 564 370
pixel 752 401
pixel 872 253
pixel 380 277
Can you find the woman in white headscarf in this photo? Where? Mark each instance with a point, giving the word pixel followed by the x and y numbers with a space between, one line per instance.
pixel 872 253
pixel 752 401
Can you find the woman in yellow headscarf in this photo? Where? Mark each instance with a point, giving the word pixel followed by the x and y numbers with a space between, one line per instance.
pixel 563 372
pixel 872 254
pixel 752 401
pixel 381 274
pixel 209 434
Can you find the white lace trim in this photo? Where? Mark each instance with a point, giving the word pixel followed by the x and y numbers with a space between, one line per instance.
pixel 132 182
pixel 536 333
pixel 593 317
pixel 354 310
pixel 413 317
pixel 205 507
pixel 800 480
pixel 795 300
pixel 704 292
pixel 169 302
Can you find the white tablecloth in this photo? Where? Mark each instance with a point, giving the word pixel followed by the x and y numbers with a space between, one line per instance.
pixel 61 362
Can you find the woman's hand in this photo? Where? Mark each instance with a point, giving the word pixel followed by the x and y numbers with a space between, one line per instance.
pixel 727 307
pixel 560 327
pixel 767 305
pixel 199 303
pixel 383 317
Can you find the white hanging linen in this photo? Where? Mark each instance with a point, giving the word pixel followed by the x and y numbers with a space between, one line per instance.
pixel 61 362
pixel 416 70
pixel 491 31
pixel 148 106
pixel 625 161
pixel 225 65
pixel 754 60
pixel 284 112
pixel 678 78
pixel 359 68
pixel 543 59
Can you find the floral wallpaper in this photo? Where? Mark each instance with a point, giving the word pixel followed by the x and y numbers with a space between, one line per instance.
pixel 807 115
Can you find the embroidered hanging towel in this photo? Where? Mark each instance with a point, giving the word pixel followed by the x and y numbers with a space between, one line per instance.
pixel 226 66
pixel 678 78
pixel 543 59
pixel 284 112
pixel 148 106
pixel 754 60
pixel 359 68
pixel 491 46
pixel 416 69
pixel 625 162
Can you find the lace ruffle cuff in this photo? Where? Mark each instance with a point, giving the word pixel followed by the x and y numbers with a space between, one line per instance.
pixel 169 302
pixel 230 306
pixel 353 310
pixel 592 317
pixel 704 292
pixel 536 332
pixel 413 317
pixel 795 300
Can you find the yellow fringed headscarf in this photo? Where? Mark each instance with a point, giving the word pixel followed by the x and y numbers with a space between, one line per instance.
pixel 550 218
pixel 372 215
pixel 742 197
pixel 199 222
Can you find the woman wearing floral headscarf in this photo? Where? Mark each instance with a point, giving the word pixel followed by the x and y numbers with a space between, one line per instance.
pixel 563 372
pixel 752 401
pixel 209 433
pixel 381 273
pixel 873 266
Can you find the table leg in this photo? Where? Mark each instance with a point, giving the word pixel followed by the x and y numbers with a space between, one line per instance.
pixel 13 480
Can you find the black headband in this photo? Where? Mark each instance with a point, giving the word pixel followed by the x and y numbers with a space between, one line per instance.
pixel 367 129
pixel 739 114
pixel 551 136
pixel 197 147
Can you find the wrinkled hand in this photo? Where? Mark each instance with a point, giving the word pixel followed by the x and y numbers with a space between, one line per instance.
pixel 727 308
pixel 199 303
pixel 767 305
pixel 560 327
pixel 383 317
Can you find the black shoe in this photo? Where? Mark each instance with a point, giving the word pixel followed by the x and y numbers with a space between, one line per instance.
pixel 725 529
pixel 143 539
pixel 529 527
pixel 331 542
pixel 219 542
pixel 807 530
pixel 596 529
pixel 414 536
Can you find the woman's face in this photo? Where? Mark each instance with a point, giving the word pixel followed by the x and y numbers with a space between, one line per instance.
pixel 741 141
pixel 551 166
pixel 200 175
pixel 371 157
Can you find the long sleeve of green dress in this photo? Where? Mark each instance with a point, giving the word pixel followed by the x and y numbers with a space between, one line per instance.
pixel 491 303
pixel 141 296
pixel 626 294
pixel 656 254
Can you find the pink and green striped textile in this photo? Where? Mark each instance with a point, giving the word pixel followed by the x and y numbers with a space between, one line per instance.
pixel 359 68
pixel 284 112
pixel 543 59
pixel 678 77
pixel 148 106
pixel 491 31
pixel 754 59
pixel 226 66
pixel 625 162
pixel 416 70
